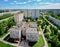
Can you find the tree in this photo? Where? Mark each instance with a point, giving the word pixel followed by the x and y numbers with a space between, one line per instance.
pixel 2 28
pixel 54 40
pixel 5 25
pixel 36 18
pixel 58 44
pixel 58 35
pixel 54 29
pixel 1 11
pixel 5 16
pixel 47 35
pixel 11 22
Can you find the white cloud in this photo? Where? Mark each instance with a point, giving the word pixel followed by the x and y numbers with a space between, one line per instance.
pixel 38 0
pixel 34 0
pixel 15 1
pixel 47 3
pixel 12 3
pixel 21 2
pixel 24 2
pixel 6 0
pixel 51 6
pixel 29 1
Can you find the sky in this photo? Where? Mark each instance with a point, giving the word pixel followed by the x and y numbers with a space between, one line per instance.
pixel 21 4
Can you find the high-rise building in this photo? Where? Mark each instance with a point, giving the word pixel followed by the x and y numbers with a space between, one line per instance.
pixel 18 17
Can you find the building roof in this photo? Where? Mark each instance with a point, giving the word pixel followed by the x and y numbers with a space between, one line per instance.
pixel 14 28
pixel 33 24
pixel 31 30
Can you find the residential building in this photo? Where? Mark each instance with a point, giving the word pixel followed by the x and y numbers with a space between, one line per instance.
pixel 15 32
pixel 18 17
pixel 24 30
pixel 32 35
pixel 34 13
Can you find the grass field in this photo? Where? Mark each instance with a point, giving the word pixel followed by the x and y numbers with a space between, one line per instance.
pixel 40 42
pixel 3 35
pixel 5 45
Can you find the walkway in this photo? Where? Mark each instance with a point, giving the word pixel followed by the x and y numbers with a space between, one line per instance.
pixel 23 43
pixel 2 40
pixel 5 35
pixel 46 45
pixel 49 22
pixel 5 19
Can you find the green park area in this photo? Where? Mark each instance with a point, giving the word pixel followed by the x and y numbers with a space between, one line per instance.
pixel 5 45
pixel 40 42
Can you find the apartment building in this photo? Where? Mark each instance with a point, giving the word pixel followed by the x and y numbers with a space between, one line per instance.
pixel 25 31
pixel 34 13
pixel 18 17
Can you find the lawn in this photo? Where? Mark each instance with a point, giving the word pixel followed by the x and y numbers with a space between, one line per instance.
pixel 40 42
pixel 6 16
pixel 38 28
pixel 5 45
pixel 3 35
pixel 49 44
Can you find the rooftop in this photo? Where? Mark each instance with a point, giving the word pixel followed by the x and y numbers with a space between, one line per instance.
pixel 31 30
pixel 33 24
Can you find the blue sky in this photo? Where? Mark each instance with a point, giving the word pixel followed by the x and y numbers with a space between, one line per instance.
pixel 13 4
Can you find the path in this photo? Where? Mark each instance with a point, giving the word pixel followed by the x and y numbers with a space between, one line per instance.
pixel 5 19
pixel 2 40
pixel 49 22
pixel 5 35
pixel 46 45
pixel 24 44
pixel 13 44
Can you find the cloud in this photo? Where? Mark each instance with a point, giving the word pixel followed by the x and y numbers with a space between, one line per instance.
pixel 47 3
pixel 15 1
pixel 34 0
pixel 24 2
pixel 21 2
pixel 5 0
pixel 29 1
pixel 12 3
pixel 38 0
pixel 52 6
